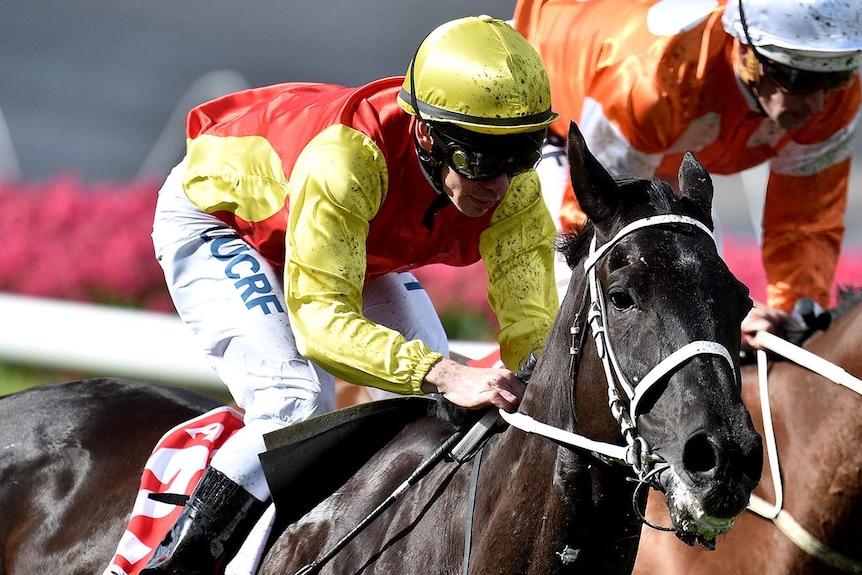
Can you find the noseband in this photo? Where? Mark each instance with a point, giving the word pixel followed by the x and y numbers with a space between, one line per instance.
pixel 637 453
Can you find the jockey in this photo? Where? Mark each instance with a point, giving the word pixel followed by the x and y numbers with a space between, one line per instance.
pixel 289 231
pixel 739 83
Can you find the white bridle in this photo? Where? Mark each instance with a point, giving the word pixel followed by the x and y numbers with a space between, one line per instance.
pixel 636 453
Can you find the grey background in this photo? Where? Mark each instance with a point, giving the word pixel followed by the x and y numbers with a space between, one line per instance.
pixel 90 85
pixel 100 88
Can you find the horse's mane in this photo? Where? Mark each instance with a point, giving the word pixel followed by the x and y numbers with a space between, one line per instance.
pixel 848 297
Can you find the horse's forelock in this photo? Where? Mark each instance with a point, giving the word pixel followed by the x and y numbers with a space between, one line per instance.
pixel 650 197
pixel 644 198
pixel 573 245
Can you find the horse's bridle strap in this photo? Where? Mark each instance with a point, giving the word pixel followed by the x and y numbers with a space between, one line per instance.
pixel 670 364
pixel 636 453
pixel 775 512
pixel 529 425
pixel 643 223
pixel 808 360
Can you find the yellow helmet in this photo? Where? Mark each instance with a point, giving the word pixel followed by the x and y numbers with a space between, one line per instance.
pixel 480 74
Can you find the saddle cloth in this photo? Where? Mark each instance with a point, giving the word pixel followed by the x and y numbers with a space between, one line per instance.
pixel 175 466
pixel 180 457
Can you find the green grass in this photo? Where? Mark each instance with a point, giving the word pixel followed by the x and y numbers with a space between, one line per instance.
pixel 15 377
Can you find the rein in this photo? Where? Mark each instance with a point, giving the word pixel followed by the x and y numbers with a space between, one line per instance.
pixel 776 513
pixel 637 454
pixel 461 446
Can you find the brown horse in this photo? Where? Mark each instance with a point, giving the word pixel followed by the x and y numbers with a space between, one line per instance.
pixel 638 386
pixel 71 457
pixel 818 431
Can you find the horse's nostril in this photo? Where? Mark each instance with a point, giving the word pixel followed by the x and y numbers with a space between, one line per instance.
pixel 754 463
pixel 699 455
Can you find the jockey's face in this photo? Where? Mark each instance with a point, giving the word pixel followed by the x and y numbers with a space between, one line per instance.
pixel 789 96
pixel 474 198
pixel 789 110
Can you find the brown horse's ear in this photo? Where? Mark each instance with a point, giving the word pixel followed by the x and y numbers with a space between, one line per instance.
pixel 594 187
pixel 695 184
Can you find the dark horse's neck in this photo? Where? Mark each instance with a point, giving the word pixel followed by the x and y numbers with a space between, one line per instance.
pixel 553 495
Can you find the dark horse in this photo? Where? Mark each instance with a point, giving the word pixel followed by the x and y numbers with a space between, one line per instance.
pixel 664 312
pixel 818 431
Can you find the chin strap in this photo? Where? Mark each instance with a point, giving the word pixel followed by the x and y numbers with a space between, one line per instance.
pixel 440 202
pixel 431 166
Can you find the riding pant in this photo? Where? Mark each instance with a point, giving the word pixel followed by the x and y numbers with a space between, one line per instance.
pixel 233 301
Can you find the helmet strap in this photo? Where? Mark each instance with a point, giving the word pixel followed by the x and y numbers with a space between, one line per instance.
pixel 432 169
pixel 749 73
pixel 431 163
pixel 749 70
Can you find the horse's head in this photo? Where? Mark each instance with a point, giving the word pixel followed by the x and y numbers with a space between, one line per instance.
pixel 665 315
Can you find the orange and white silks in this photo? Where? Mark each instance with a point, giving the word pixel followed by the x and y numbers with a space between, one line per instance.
pixel 647 80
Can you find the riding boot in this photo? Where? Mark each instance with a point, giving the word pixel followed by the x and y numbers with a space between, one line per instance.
pixel 210 530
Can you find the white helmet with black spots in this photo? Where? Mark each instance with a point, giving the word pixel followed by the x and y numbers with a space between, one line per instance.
pixel 811 35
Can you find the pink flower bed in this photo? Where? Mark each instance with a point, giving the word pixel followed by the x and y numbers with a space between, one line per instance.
pixel 743 259
pixel 64 239
pixel 69 240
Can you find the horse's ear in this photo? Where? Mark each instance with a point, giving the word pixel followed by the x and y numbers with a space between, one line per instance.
pixel 695 184
pixel 594 187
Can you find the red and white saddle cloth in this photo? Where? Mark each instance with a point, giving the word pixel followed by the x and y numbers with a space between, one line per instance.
pixel 175 466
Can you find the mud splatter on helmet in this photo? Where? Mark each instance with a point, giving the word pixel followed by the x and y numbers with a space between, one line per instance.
pixel 813 35
pixel 478 73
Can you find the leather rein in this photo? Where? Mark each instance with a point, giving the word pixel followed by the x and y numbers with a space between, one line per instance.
pixel 775 512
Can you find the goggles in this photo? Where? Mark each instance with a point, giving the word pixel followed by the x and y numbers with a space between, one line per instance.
pixel 795 80
pixel 478 156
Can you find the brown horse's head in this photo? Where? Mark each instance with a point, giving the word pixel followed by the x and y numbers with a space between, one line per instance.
pixel 666 315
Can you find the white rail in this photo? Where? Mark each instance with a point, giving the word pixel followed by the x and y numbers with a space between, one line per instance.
pixel 101 340
pixel 116 342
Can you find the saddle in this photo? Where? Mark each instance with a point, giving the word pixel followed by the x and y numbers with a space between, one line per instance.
pixel 306 462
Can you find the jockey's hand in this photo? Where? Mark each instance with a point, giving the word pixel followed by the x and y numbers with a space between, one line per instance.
pixel 475 387
pixel 762 318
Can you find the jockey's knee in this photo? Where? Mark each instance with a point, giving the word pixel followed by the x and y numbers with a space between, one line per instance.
pixel 289 398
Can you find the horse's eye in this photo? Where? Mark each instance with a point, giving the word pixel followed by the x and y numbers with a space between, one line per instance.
pixel 621 300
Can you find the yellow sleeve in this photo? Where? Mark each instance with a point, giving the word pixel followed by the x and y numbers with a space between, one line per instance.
pixel 518 251
pixel 335 189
